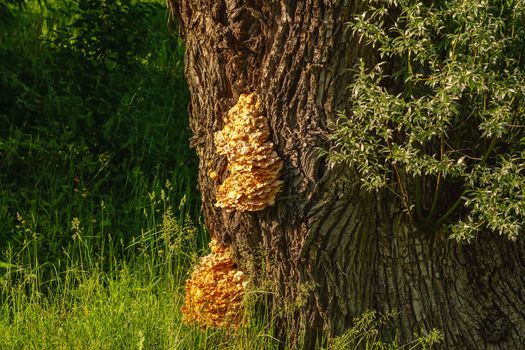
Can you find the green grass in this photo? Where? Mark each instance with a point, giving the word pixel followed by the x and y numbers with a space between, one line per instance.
pixel 133 305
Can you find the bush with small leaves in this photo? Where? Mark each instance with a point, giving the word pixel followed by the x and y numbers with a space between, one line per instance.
pixel 444 111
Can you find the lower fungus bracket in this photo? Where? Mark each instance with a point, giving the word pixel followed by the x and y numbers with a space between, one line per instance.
pixel 215 291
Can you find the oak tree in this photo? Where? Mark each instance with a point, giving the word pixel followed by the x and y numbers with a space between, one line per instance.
pixel 400 126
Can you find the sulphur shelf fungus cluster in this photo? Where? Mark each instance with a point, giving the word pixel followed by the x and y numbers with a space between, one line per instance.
pixel 215 291
pixel 253 165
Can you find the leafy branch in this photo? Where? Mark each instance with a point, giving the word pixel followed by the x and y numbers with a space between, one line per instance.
pixel 444 107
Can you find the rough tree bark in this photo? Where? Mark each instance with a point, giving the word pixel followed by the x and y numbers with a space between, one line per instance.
pixel 332 249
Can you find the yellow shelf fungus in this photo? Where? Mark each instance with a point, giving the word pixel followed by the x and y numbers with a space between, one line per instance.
pixel 254 167
pixel 215 291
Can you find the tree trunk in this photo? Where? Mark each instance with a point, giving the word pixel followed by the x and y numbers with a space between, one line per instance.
pixel 331 249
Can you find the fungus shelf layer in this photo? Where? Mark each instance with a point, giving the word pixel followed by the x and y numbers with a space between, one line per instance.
pixel 215 291
pixel 253 165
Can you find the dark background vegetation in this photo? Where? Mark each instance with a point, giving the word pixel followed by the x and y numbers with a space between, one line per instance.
pixel 92 114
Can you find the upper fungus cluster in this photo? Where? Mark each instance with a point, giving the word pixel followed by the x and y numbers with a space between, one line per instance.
pixel 253 165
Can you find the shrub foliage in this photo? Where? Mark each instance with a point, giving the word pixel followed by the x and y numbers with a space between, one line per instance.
pixel 443 111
